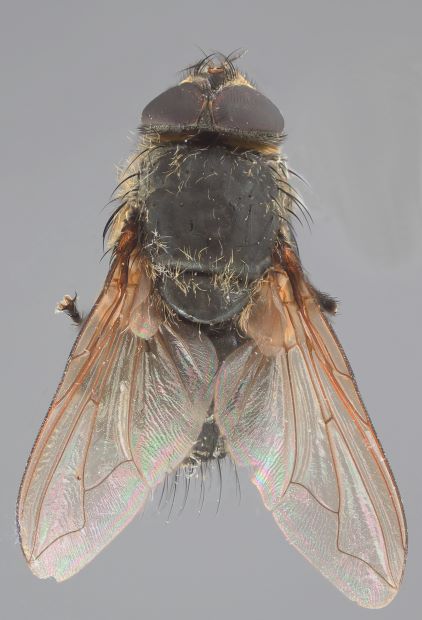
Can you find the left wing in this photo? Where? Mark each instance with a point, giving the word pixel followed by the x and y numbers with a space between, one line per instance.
pixel 289 408
pixel 130 406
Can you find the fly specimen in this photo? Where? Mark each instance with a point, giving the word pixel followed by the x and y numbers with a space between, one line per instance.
pixel 208 341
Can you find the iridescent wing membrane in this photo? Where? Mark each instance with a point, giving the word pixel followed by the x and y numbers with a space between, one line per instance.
pixel 289 408
pixel 131 404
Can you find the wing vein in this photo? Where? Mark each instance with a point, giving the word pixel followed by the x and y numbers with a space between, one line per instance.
pixel 357 468
pixel 88 397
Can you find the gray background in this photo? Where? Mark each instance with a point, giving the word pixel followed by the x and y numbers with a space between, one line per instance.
pixel 348 79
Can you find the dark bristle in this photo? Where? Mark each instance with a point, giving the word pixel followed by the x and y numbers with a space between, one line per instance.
pixel 130 176
pixel 226 61
pixel 173 492
pixel 195 484
pixel 110 220
pixel 220 484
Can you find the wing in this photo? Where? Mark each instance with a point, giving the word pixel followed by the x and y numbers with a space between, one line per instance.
pixel 131 404
pixel 289 408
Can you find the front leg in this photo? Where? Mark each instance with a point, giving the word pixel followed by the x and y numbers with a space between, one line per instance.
pixel 69 306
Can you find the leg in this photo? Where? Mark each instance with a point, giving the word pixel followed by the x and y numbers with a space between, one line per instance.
pixel 328 304
pixel 291 262
pixel 69 306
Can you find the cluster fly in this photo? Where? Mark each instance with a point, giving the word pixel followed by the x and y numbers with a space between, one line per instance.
pixel 207 342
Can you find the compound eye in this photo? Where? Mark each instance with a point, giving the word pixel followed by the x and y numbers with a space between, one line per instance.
pixel 176 108
pixel 244 109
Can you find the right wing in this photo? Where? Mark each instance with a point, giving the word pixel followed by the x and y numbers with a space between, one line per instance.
pixel 130 406
pixel 288 406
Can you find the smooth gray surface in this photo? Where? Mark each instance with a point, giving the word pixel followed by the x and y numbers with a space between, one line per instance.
pixel 348 79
